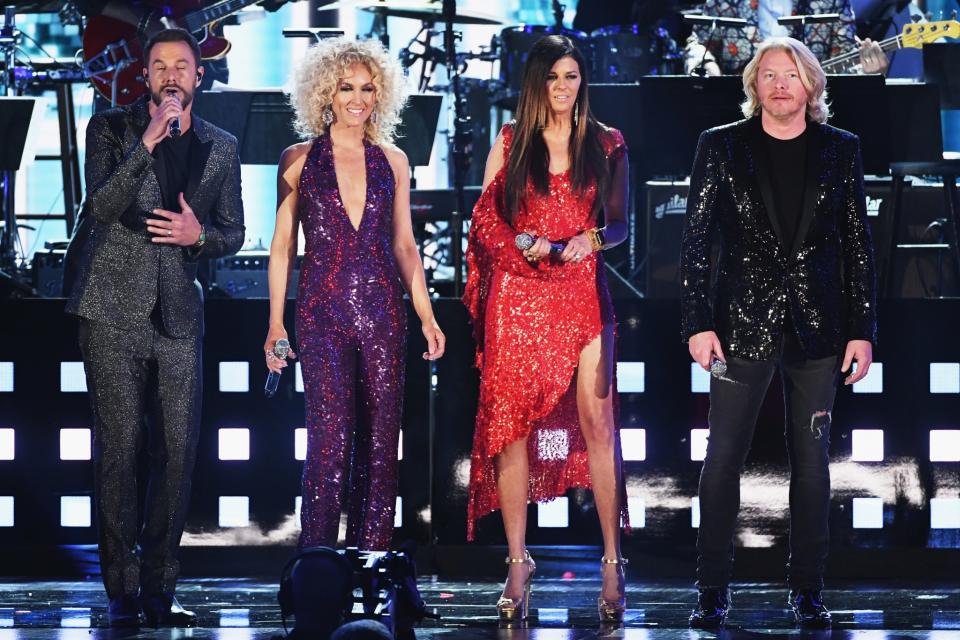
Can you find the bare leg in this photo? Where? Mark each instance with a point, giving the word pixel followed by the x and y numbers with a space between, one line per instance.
pixel 595 408
pixel 513 480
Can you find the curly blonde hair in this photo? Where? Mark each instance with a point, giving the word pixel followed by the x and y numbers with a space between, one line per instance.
pixel 811 76
pixel 322 69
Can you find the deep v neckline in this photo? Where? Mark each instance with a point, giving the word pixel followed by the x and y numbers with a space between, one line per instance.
pixel 366 188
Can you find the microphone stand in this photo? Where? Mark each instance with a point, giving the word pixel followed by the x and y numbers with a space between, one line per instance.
pixel 461 142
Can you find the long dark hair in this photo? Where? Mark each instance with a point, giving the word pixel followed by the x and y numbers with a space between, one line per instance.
pixel 529 157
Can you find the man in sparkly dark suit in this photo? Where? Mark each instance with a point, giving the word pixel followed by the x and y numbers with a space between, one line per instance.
pixel 157 203
pixel 794 291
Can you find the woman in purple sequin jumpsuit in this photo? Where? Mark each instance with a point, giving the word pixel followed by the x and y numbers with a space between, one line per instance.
pixel 349 187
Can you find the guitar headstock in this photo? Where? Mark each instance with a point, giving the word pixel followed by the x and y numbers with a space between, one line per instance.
pixel 917 34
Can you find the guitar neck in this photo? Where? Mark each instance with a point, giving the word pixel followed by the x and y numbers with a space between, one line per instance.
pixel 847 61
pixel 197 20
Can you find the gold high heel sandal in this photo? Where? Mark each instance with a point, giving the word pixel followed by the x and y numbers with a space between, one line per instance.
pixel 611 611
pixel 516 609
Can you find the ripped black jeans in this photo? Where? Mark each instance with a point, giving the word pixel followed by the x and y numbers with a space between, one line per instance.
pixel 809 389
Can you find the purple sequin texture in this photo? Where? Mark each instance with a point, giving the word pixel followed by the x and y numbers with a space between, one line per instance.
pixel 351 333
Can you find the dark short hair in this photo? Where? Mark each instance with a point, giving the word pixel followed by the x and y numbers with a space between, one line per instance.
pixel 172 35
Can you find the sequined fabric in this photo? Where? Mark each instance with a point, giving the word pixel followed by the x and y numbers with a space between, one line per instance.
pixel 531 321
pixel 825 281
pixel 351 332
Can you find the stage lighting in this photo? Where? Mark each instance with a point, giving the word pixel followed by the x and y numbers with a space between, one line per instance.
pixel 7 444
pixel 400 446
pixel 72 377
pixel 74 444
pixel 75 617
pixel 74 511
pixel 6 377
pixel 873 383
pixel 633 444
pixel 630 377
pixel 945 445
pixel 234 511
pixel 398 513
pixel 698 443
pixel 636 507
pixel 699 379
pixel 234 444
pixel 234 377
pixel 868 513
pixel 298 382
pixel 234 617
pixel 695 512
pixel 297 506
pixel 553 514
pixel 945 377
pixel 300 444
pixel 945 513
pixel 6 511
pixel 866 445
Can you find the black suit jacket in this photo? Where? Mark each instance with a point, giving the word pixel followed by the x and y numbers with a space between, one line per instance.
pixel 120 274
pixel 825 281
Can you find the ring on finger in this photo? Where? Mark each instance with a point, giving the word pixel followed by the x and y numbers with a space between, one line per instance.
pixel 169 232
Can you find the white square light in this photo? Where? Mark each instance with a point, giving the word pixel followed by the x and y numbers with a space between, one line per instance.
pixel 873 383
pixel 866 445
pixel 6 377
pixel 945 377
pixel 631 377
pixel 6 617
pixel 398 514
pixel 300 444
pixel 633 444
pixel 698 443
pixel 298 383
pixel 945 513
pixel 75 617
pixel 234 511
pixel 400 446
pixel 636 508
pixel 945 445
pixel 6 511
pixel 72 377
pixel 233 444
pixel 74 444
pixel 868 513
pixel 74 511
pixel 297 508
pixel 234 377
pixel 7 444
pixel 695 512
pixel 234 617
pixel 553 514
pixel 699 379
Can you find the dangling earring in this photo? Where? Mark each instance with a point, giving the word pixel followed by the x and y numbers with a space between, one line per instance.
pixel 576 114
pixel 373 117
pixel 327 116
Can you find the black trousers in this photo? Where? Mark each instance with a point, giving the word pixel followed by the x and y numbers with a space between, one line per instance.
pixel 809 389
pixel 130 372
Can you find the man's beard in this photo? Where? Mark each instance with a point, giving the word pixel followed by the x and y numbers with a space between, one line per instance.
pixel 184 103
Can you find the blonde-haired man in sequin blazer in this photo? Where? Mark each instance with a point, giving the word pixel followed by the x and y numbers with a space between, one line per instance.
pixel 794 292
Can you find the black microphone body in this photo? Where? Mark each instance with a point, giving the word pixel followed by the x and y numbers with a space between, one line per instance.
pixel 280 350
pixel 175 123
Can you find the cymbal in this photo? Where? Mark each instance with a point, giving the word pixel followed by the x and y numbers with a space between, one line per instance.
pixel 423 10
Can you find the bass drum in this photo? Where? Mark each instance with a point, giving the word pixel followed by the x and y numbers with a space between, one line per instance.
pixel 626 53
pixel 515 45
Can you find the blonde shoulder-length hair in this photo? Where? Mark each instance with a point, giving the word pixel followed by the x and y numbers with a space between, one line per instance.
pixel 811 76
pixel 317 78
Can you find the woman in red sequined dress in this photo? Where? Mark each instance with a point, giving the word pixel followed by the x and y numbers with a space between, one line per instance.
pixel 543 319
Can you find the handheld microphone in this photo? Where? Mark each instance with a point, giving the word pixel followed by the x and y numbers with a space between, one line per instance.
pixel 175 123
pixel 280 350
pixel 524 241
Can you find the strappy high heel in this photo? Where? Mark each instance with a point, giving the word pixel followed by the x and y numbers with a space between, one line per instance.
pixel 611 611
pixel 516 609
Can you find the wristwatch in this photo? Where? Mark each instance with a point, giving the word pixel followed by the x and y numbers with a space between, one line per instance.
pixel 597 239
pixel 202 240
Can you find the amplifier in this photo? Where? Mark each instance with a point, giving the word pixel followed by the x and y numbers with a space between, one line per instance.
pixel 244 275
pixel 666 205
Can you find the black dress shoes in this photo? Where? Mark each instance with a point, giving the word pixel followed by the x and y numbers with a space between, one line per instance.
pixel 124 611
pixel 165 611
pixel 808 609
pixel 712 608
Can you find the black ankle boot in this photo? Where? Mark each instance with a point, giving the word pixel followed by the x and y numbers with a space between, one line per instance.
pixel 712 608
pixel 808 609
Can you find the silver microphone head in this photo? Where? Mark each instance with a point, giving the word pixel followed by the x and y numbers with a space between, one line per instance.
pixel 281 348
pixel 718 368
pixel 524 241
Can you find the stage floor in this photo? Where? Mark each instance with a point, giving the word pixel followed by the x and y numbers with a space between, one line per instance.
pixel 242 609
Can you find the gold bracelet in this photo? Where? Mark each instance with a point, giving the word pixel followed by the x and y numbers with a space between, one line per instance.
pixel 596 241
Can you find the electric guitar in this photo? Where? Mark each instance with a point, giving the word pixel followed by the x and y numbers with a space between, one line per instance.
pixel 113 50
pixel 914 35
